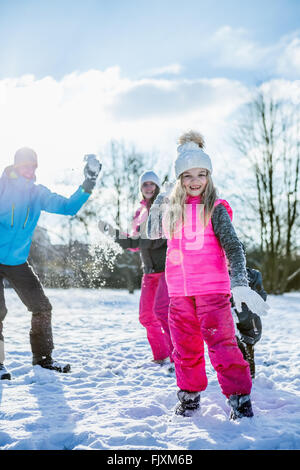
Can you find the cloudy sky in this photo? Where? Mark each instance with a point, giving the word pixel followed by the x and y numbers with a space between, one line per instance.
pixel 75 74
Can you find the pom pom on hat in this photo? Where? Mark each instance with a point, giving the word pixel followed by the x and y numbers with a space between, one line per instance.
pixel 190 155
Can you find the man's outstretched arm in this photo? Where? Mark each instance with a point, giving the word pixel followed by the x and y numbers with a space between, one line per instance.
pixel 57 204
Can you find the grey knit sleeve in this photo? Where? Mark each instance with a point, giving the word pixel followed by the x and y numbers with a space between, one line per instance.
pixel 230 243
pixel 154 228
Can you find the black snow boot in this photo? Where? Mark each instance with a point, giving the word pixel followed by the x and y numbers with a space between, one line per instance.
pixel 189 403
pixel 240 407
pixel 48 363
pixel 248 354
pixel 4 374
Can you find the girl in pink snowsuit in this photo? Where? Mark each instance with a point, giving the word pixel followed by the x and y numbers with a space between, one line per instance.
pixel 200 237
pixel 154 300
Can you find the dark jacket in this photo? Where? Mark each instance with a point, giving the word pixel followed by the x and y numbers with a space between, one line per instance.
pixel 152 252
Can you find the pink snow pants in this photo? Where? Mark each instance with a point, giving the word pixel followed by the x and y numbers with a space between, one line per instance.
pixel 154 310
pixel 208 318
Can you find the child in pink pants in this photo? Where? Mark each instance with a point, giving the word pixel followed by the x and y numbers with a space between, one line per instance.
pixel 200 237
pixel 154 301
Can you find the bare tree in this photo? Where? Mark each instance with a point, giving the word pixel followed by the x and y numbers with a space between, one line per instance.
pixel 269 135
pixel 126 165
pixel 121 176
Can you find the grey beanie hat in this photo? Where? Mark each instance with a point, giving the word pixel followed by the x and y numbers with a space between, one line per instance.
pixel 190 155
pixel 149 175
pixel 24 156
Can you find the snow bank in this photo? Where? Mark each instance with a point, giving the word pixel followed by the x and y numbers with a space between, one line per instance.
pixel 116 399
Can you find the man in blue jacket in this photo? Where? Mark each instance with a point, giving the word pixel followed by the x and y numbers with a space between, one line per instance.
pixel 21 202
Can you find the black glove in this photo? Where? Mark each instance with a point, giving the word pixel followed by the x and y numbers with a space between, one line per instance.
pixel 249 326
pixel 91 172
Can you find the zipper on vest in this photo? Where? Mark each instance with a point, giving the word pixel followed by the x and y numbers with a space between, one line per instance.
pixel 12 215
pixel 27 215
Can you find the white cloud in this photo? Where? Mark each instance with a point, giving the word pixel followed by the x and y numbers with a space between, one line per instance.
pixel 164 98
pixel 289 61
pixel 235 49
pixel 285 90
pixel 62 120
pixel 172 69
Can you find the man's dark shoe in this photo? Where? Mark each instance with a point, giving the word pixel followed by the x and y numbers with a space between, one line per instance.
pixel 4 374
pixel 189 403
pixel 48 363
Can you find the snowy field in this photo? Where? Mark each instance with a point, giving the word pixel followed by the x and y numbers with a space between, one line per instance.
pixel 116 399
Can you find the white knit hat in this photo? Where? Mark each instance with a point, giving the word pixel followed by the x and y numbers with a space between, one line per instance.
pixel 190 155
pixel 149 175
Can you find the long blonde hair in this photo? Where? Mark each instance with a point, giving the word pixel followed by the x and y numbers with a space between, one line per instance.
pixel 176 209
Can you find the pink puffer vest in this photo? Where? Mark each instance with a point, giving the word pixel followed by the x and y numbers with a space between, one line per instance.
pixel 196 262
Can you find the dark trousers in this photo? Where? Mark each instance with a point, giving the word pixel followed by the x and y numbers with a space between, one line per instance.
pixel 27 285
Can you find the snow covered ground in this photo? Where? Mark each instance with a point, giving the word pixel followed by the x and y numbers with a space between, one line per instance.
pixel 116 399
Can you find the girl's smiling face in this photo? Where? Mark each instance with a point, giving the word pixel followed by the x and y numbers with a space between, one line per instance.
pixel 148 189
pixel 194 181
